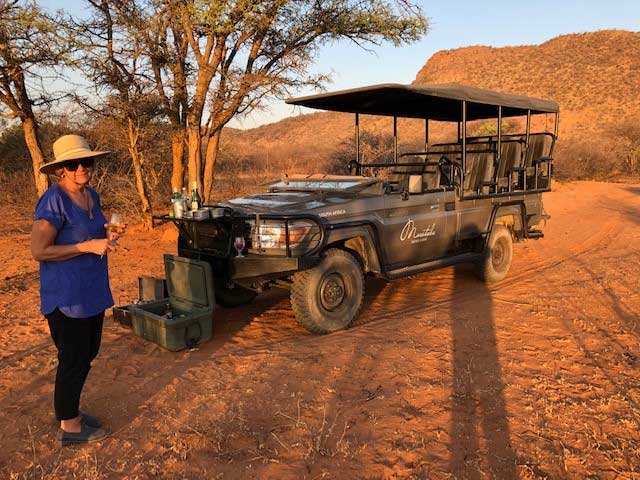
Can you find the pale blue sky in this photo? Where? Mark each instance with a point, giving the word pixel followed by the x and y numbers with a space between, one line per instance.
pixel 454 23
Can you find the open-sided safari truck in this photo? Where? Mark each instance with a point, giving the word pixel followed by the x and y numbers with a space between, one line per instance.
pixel 319 235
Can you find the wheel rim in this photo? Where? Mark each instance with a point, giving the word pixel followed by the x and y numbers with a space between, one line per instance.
pixel 498 254
pixel 332 291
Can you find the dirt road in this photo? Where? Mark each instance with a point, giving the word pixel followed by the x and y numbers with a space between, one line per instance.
pixel 537 376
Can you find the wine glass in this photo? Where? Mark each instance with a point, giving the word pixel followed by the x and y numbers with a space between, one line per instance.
pixel 115 223
pixel 239 244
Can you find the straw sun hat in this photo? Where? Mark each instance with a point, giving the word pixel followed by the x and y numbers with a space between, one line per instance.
pixel 70 147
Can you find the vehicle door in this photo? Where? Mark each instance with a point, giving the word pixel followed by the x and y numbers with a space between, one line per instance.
pixel 418 227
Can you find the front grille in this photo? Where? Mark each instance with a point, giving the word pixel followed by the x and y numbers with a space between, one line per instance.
pixel 211 237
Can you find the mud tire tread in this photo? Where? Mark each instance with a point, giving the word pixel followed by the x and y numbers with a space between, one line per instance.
pixel 304 287
pixel 484 268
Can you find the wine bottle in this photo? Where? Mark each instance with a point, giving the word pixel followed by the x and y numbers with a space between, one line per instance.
pixel 176 196
pixel 196 201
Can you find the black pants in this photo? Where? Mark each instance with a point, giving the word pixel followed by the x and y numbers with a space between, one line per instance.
pixel 78 342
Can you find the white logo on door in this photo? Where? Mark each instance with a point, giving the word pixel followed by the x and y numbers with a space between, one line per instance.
pixel 410 232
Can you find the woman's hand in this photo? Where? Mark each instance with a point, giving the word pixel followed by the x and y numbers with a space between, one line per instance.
pixel 98 246
pixel 114 235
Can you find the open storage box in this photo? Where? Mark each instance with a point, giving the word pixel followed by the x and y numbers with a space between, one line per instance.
pixel 185 318
pixel 150 289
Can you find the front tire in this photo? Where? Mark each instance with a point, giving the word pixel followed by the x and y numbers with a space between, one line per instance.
pixel 497 255
pixel 328 297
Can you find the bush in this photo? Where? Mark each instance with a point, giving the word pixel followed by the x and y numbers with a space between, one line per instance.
pixel 14 155
pixel 113 177
pixel 374 148
pixel 583 159
pixel 627 145
pixel 489 128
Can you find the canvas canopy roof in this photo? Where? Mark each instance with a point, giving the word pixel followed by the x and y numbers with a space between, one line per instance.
pixel 438 101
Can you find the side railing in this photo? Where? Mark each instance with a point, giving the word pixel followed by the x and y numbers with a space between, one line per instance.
pixel 523 174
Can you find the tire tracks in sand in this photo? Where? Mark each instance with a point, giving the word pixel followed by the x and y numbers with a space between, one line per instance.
pixel 391 317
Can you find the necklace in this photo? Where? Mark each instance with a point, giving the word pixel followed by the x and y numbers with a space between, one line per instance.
pixel 87 199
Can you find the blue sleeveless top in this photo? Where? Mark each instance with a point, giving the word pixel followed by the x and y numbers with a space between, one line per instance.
pixel 79 286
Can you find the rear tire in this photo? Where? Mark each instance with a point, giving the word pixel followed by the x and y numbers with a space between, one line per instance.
pixel 328 297
pixel 497 255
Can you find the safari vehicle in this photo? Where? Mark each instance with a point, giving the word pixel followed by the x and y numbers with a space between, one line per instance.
pixel 319 235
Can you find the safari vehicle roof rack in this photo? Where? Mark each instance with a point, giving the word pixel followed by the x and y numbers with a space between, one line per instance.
pixel 446 102
pixel 434 101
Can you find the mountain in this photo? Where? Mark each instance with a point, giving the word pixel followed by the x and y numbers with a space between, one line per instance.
pixel 595 77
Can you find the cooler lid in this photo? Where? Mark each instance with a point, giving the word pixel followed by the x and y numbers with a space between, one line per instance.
pixel 189 281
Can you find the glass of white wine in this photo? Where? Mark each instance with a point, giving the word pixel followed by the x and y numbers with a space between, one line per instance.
pixel 115 223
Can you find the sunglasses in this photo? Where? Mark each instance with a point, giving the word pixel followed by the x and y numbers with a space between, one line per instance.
pixel 72 166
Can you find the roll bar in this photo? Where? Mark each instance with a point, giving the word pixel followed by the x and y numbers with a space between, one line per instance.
pixel 356 167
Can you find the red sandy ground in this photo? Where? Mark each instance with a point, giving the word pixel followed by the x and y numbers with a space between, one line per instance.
pixel 537 376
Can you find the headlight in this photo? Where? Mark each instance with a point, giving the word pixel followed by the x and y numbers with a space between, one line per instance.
pixel 272 235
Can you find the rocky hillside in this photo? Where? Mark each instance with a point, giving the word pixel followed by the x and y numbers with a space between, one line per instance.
pixel 594 76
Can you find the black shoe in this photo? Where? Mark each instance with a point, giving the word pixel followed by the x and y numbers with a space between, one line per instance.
pixel 87 419
pixel 86 434
pixel 90 420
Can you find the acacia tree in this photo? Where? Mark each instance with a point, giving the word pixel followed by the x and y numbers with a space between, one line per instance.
pixel 166 48
pixel 627 142
pixel 245 50
pixel 113 57
pixel 30 44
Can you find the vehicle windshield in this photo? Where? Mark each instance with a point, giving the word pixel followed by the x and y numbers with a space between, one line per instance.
pixel 319 183
pixel 316 184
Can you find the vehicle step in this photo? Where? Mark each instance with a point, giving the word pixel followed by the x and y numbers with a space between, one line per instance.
pixel 535 234
pixel 432 265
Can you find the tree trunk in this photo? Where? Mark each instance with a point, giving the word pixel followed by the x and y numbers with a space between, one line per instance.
pixel 194 155
pixel 30 128
pixel 213 146
pixel 194 125
pixel 177 150
pixel 137 159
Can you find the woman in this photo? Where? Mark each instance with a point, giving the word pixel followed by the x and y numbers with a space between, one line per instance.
pixel 69 240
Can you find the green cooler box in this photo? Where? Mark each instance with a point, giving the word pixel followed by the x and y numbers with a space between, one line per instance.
pixel 185 318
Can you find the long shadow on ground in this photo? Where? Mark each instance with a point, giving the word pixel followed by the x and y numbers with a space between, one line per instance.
pixel 479 409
